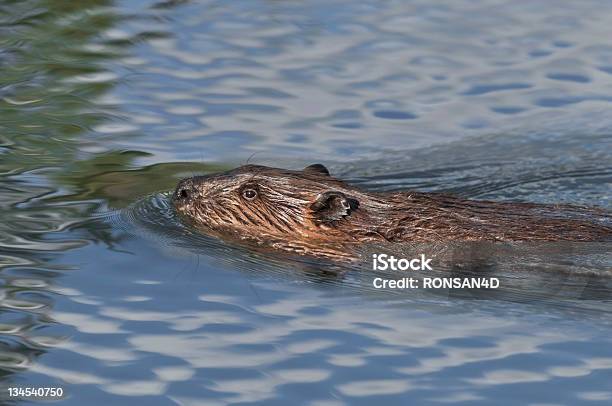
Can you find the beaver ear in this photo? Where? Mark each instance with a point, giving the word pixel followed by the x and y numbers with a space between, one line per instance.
pixel 332 206
pixel 317 169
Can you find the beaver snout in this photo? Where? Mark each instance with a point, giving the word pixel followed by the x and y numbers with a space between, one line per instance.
pixel 184 191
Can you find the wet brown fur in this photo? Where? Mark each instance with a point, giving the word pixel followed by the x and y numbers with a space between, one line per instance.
pixel 282 215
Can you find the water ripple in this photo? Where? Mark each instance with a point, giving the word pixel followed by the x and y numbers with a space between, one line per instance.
pixel 104 105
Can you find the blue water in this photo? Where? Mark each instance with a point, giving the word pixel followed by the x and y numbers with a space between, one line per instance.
pixel 107 104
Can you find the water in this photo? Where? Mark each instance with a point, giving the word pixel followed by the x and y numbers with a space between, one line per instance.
pixel 105 105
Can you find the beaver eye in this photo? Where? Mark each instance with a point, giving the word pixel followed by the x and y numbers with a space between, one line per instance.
pixel 249 194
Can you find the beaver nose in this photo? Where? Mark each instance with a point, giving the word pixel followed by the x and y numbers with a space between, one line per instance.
pixel 184 191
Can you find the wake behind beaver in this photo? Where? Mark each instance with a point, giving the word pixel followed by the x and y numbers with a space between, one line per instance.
pixel 310 212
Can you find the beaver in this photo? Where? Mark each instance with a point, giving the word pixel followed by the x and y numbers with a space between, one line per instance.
pixel 310 212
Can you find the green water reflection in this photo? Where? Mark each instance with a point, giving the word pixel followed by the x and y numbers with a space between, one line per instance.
pixel 54 63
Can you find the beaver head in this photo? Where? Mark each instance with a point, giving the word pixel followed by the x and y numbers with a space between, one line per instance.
pixel 265 204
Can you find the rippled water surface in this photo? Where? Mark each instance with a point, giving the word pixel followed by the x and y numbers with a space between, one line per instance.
pixel 105 105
